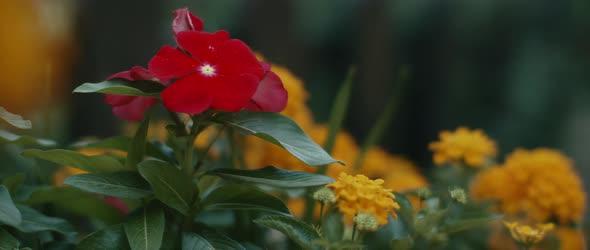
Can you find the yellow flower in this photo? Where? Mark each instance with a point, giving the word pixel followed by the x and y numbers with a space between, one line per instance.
pixel 356 194
pixel 527 235
pixel 540 182
pixel 398 173
pixel 472 147
pixel 570 238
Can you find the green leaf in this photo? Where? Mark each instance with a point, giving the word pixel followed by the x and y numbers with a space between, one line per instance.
pixel 121 184
pixel 112 237
pixel 423 223
pixel 13 183
pixel 298 231
pixel 193 241
pixel 122 143
pixel 220 241
pixel 75 201
pixel 171 186
pixel 14 119
pixel 273 176
pixel 406 211
pixel 10 138
pixel 34 221
pixel 118 87
pixel 93 164
pixel 243 197
pixel 9 214
pixel 279 130
pixel 145 228
pixel 137 146
pixel 338 114
pixel 7 241
pixel 456 225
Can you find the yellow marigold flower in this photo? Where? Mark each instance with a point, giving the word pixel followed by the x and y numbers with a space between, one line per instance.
pixel 540 182
pixel 570 238
pixel 527 235
pixel 356 194
pixel 398 173
pixel 472 147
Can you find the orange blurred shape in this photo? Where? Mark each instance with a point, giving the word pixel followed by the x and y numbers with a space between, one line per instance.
pixel 33 53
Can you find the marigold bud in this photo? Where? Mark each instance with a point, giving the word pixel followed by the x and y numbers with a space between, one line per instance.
pixel 366 222
pixel 324 195
pixel 458 194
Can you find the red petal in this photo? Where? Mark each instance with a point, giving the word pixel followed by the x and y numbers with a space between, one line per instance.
pixel 185 20
pixel 170 63
pixel 188 95
pixel 117 203
pixel 235 57
pixel 202 45
pixel 271 95
pixel 233 92
pixel 133 110
pixel 117 100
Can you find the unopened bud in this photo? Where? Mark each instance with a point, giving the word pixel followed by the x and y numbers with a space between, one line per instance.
pixel 324 195
pixel 458 194
pixel 366 222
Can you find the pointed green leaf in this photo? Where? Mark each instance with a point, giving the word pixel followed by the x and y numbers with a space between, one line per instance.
pixel 243 197
pixel 7 241
pixel 14 119
pixel 122 143
pixel 9 214
pixel 75 201
pixel 193 241
pixel 93 164
pixel 273 176
pixel 137 146
pixel 13 183
pixel 145 228
pixel 456 225
pixel 119 87
pixel 10 138
pixel 170 185
pixel 298 231
pixel 34 221
pixel 121 184
pixel 112 237
pixel 279 130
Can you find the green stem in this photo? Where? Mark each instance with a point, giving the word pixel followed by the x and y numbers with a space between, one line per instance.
pixel 321 212
pixel 309 207
pixel 203 154
pixel 177 120
pixel 353 231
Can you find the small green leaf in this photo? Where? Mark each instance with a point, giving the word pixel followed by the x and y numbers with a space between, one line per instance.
pixel 145 228
pixel 243 197
pixel 93 164
pixel 112 237
pixel 122 143
pixel 220 241
pixel 280 130
pixel 34 221
pixel 137 146
pixel 193 241
pixel 14 119
pixel 121 184
pixel 170 185
pixel 118 87
pixel 7 241
pixel 10 138
pixel 13 183
pixel 273 176
pixel 424 223
pixel 9 214
pixel 456 225
pixel 75 201
pixel 298 231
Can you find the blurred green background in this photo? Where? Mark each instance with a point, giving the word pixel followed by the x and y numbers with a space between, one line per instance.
pixel 518 69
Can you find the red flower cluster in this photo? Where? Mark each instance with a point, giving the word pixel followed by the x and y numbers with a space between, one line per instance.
pixel 206 71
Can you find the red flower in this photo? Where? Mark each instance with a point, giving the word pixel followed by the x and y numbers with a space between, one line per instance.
pixel 130 108
pixel 184 20
pixel 117 203
pixel 271 95
pixel 219 73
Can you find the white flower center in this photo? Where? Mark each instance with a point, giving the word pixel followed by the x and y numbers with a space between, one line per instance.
pixel 207 70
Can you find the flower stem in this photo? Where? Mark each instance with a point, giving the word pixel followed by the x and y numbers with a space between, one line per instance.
pixel 353 231
pixel 321 212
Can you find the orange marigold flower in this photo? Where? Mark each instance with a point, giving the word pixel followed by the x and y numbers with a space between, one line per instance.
pixel 472 147
pixel 356 194
pixel 527 235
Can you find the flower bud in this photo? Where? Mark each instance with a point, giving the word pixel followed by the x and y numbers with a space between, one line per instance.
pixel 424 193
pixel 458 194
pixel 324 195
pixel 366 222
